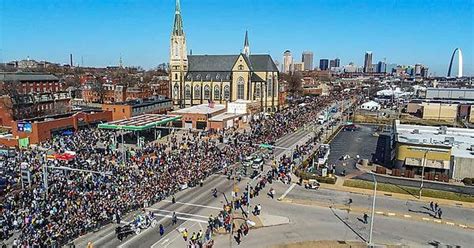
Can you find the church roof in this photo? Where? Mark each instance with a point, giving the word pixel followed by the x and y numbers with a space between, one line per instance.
pixel 209 63
pixel 256 78
pixel 263 62
pixel 221 63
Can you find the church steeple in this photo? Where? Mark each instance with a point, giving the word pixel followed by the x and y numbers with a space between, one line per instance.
pixel 178 22
pixel 246 50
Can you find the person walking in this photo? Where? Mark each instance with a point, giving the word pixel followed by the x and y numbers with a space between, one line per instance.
pixel 431 206
pixel 436 207
pixel 440 212
pixel 162 230
pixel 173 200
pixel 174 219
pixel 366 218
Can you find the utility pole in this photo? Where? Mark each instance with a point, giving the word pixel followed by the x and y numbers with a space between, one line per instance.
pixel 373 211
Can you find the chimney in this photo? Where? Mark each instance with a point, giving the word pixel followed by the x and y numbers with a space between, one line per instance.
pixel 70 60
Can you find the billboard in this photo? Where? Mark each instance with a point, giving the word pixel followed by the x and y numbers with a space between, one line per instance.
pixel 24 127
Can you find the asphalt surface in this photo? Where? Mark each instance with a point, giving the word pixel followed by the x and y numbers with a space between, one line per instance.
pixel 363 143
pixel 383 203
pixel 352 143
pixel 323 223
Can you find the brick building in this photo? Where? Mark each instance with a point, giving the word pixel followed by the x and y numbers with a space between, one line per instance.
pixel 37 130
pixel 126 110
pixel 26 83
pixel 24 106
pixel 110 93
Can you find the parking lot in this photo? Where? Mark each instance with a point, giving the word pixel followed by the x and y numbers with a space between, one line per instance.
pixel 361 142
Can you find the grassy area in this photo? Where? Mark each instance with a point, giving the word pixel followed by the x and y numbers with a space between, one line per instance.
pixel 409 190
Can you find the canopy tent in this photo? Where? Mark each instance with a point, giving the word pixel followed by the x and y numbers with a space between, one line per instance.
pixel 140 122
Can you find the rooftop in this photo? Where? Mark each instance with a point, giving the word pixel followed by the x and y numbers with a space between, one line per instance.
pixel 25 76
pixel 140 122
pixel 201 109
pixel 225 116
pixel 460 140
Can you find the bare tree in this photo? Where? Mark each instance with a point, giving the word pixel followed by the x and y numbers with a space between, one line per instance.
pixel 99 90
pixel 294 80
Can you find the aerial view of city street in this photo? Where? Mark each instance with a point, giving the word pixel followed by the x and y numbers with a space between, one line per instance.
pixel 236 123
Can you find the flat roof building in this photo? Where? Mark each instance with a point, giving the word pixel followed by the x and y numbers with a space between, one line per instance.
pixel 442 150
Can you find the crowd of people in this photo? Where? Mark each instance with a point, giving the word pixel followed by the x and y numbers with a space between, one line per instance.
pixel 77 202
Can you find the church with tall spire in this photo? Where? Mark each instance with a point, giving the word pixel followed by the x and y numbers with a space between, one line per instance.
pixel 198 79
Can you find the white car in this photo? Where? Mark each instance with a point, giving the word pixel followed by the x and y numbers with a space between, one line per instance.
pixel 247 161
pixel 257 163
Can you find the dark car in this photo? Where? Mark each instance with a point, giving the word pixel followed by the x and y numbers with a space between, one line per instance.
pixel 350 127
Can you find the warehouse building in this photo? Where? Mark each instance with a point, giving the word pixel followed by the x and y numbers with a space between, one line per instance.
pixel 441 150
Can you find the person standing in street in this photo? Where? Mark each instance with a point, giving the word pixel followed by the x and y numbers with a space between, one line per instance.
pixel 440 212
pixel 162 230
pixel 366 218
pixel 185 235
pixel 174 219
pixel 431 206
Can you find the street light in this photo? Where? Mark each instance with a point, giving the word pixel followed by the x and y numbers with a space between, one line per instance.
pixel 373 210
pixel 423 164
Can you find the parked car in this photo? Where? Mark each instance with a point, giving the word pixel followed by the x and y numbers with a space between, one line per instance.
pixel 312 184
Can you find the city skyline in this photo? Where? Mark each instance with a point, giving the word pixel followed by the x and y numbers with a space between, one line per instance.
pixel 102 37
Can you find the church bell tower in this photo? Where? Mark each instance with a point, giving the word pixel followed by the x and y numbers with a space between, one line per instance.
pixel 178 58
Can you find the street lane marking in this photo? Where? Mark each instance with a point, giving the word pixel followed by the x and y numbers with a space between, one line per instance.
pixel 110 233
pixel 181 218
pixel 287 191
pixel 450 223
pixel 463 226
pixel 427 219
pixel 137 236
pixel 407 216
pixel 177 236
pixel 379 212
pixel 180 213
pixel 391 214
pixel 437 221
pixel 192 204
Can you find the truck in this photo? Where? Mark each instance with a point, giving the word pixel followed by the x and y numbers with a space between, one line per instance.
pixel 323 117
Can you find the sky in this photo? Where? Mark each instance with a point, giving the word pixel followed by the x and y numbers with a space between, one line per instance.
pixel 99 32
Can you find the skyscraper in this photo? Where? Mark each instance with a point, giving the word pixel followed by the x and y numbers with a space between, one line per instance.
pixel 337 62
pixel 368 62
pixel 323 64
pixel 381 67
pixel 307 59
pixel 287 62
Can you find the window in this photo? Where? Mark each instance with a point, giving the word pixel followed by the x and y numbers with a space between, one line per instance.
pixel 208 76
pixel 176 76
pixel 217 92
pixel 227 92
pixel 197 92
pixel 187 92
pixel 123 110
pixel 257 91
pixel 207 92
pixel 240 88
pixel 176 91
pixel 241 67
pixel 270 87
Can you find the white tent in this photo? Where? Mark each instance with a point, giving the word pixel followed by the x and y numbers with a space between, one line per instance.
pixel 371 105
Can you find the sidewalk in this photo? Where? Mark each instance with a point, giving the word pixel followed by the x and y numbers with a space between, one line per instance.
pixel 340 182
